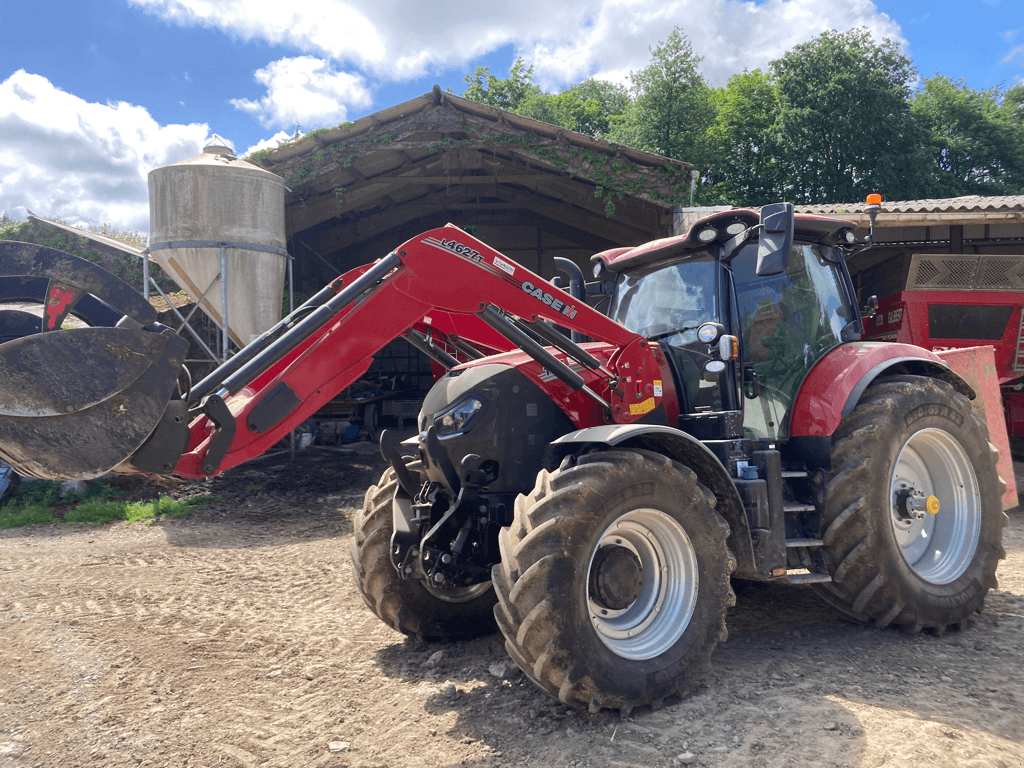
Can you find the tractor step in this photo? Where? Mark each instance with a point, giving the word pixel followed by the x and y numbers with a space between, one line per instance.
pixel 803 578
pixel 794 473
pixel 798 508
pixel 803 543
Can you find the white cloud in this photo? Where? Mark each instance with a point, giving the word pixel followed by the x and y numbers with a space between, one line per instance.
pixel 731 36
pixel 279 138
pixel 565 41
pixel 1014 53
pixel 83 162
pixel 305 90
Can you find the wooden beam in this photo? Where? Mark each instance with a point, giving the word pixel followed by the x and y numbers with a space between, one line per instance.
pixel 615 230
pixel 372 225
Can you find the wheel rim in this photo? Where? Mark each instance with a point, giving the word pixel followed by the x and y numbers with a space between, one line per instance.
pixel 461 595
pixel 665 599
pixel 938 547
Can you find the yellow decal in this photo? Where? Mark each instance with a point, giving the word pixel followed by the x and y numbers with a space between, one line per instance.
pixel 639 409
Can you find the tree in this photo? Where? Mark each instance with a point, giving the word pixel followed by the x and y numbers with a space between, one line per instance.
pixel 672 108
pixel 591 107
pixel 509 94
pixel 1012 105
pixel 843 127
pixel 976 137
pixel 744 168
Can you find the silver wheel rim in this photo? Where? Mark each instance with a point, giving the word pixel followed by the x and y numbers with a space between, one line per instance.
pixel 938 547
pixel 460 595
pixel 661 611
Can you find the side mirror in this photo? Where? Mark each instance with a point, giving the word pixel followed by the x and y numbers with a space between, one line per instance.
pixel 871 307
pixel 775 239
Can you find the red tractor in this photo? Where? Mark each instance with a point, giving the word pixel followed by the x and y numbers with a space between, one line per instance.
pixel 596 497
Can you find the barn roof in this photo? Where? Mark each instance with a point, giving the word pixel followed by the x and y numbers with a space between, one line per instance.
pixel 969 209
pixel 443 154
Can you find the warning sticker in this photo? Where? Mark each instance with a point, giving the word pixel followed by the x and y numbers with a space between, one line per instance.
pixel 639 409
pixel 657 387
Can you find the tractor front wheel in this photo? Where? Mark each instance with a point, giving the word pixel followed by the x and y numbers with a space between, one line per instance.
pixel 408 605
pixel 913 518
pixel 614 580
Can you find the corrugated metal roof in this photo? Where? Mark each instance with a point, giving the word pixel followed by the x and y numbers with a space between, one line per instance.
pixel 107 244
pixel 967 203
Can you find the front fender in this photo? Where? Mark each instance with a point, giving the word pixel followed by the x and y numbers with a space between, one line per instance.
pixel 833 387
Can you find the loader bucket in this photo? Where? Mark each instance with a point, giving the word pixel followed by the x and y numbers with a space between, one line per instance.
pixel 77 402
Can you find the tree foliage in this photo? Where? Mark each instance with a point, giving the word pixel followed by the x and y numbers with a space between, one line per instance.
pixel 745 168
pixel 829 121
pixel 508 94
pixel 843 124
pixel 976 143
pixel 592 107
pixel 672 109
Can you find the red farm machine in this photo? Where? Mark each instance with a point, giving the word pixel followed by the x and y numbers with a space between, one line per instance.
pixel 593 492
pixel 957 301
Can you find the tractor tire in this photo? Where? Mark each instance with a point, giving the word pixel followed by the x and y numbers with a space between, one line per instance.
pixel 893 565
pixel 410 606
pixel 614 580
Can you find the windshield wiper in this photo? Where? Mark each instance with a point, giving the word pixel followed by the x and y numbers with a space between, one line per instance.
pixel 666 334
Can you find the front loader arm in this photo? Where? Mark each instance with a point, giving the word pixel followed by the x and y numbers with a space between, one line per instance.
pixel 255 399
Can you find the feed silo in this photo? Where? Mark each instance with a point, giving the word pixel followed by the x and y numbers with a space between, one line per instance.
pixel 215 207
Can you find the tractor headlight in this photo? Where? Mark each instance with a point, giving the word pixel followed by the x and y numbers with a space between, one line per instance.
pixel 458 418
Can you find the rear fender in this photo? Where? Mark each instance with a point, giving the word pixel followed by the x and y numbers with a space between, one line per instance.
pixel 685 449
pixel 834 386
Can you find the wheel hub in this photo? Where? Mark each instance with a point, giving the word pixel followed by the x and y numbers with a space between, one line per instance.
pixel 642 584
pixel 616 577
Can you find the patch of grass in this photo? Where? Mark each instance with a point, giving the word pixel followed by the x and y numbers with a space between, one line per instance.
pixel 96 512
pixel 164 505
pixel 14 515
pixel 202 502
pixel 35 503
pixel 253 488
pixel 40 492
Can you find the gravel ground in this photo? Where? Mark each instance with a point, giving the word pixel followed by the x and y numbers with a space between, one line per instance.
pixel 235 637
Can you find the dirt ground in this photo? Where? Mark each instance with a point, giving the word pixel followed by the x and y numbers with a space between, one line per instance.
pixel 235 637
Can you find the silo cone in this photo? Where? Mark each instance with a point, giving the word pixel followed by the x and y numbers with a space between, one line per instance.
pixel 216 197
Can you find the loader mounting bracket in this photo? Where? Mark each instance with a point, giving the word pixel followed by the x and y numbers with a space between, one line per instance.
pixel 217 411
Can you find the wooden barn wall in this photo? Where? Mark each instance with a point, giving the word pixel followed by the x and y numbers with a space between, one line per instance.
pixel 531 240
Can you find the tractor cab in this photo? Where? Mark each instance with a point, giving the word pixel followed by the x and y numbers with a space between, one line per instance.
pixel 742 306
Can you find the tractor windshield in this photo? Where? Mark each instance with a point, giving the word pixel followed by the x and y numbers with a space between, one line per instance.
pixel 667 304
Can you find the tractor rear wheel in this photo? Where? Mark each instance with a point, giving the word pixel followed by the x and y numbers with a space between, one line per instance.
pixel 913 518
pixel 407 605
pixel 614 580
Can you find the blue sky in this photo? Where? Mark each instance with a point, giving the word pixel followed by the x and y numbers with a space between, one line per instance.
pixel 96 93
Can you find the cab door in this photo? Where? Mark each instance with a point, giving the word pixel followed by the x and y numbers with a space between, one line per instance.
pixel 787 322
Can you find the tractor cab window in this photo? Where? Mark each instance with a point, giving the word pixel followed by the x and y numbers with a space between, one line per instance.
pixel 787 323
pixel 667 304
